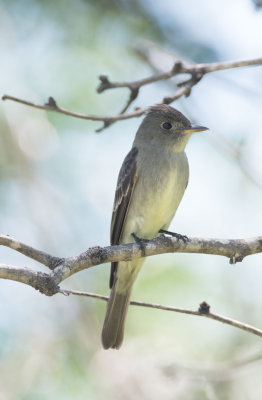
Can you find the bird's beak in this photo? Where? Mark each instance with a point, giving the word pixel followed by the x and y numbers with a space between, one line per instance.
pixel 195 128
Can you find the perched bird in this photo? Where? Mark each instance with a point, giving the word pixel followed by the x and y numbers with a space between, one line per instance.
pixel 151 184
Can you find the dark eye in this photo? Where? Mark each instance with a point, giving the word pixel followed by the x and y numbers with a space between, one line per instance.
pixel 166 125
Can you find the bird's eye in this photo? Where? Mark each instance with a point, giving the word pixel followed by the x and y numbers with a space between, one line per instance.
pixel 166 125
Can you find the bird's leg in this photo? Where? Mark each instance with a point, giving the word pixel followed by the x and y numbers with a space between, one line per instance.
pixel 141 243
pixel 184 238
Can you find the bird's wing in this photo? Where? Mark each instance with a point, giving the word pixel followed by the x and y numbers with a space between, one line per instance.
pixel 125 186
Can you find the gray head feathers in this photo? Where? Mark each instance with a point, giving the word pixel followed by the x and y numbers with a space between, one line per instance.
pixel 163 127
pixel 165 111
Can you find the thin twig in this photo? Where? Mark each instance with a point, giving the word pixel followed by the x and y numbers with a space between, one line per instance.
pixel 206 314
pixel 49 107
pixel 196 71
pixel 178 68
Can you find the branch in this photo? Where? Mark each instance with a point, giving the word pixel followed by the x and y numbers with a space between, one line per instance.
pixel 234 249
pixel 196 72
pixel 153 56
pixel 203 311
pixel 62 268
pixel 178 68
pixel 38 280
pixel 51 105
pixel 37 255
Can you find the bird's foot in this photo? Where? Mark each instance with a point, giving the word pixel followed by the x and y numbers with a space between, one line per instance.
pixel 184 238
pixel 141 243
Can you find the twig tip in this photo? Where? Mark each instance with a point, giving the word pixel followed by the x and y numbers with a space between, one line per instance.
pixel 104 83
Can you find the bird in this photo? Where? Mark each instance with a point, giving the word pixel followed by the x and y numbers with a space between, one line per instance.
pixel 150 186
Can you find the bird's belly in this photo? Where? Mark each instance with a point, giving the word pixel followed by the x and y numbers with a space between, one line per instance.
pixel 156 207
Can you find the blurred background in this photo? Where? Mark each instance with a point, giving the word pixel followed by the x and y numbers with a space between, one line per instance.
pixel 57 182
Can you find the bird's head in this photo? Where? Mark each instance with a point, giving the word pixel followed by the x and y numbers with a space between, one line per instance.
pixel 164 125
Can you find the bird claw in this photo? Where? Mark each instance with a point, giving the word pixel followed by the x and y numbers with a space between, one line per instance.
pixel 141 243
pixel 184 238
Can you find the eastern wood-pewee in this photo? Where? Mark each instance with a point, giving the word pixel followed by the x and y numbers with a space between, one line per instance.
pixel 151 184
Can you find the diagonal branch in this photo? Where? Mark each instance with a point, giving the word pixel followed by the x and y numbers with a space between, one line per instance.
pixel 51 105
pixel 196 72
pixel 37 255
pixel 203 311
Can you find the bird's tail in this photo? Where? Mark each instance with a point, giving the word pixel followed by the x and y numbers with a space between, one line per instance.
pixel 114 324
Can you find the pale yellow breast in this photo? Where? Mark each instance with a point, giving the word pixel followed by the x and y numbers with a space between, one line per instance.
pixel 158 192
